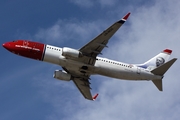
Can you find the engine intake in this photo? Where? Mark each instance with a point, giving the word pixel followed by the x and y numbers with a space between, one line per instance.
pixel 62 75
pixel 69 52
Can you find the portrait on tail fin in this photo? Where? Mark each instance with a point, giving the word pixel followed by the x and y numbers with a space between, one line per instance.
pixel 159 61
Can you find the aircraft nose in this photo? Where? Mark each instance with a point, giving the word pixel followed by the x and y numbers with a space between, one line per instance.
pixel 6 45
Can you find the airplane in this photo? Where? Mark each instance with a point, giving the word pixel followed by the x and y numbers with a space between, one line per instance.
pixel 79 64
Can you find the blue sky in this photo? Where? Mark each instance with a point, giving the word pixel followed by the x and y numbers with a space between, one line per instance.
pixel 28 90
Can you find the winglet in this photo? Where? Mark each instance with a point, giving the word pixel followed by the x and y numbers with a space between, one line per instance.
pixel 95 96
pixel 126 16
pixel 123 20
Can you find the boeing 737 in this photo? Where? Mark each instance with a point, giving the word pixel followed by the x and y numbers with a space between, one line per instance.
pixel 79 64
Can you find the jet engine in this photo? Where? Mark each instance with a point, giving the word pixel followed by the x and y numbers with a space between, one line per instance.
pixel 69 52
pixel 62 75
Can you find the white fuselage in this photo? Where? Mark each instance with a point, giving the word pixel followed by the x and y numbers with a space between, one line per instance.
pixel 102 66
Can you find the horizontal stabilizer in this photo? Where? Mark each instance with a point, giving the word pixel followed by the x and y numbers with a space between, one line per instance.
pixel 158 84
pixel 163 68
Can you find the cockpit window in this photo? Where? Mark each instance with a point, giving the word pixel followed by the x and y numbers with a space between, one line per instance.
pixel 15 41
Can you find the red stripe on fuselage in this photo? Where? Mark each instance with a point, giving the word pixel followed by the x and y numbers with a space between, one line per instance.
pixel 27 48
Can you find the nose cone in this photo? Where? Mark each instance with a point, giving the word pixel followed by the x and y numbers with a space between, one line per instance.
pixel 7 46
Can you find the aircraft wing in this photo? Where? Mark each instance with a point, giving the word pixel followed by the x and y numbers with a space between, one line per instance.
pixel 84 87
pixel 94 47
pixel 81 81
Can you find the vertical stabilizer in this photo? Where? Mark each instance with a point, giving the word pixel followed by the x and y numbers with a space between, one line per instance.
pixel 157 61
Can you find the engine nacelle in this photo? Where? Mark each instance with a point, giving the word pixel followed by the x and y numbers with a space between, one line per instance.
pixel 69 52
pixel 62 75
